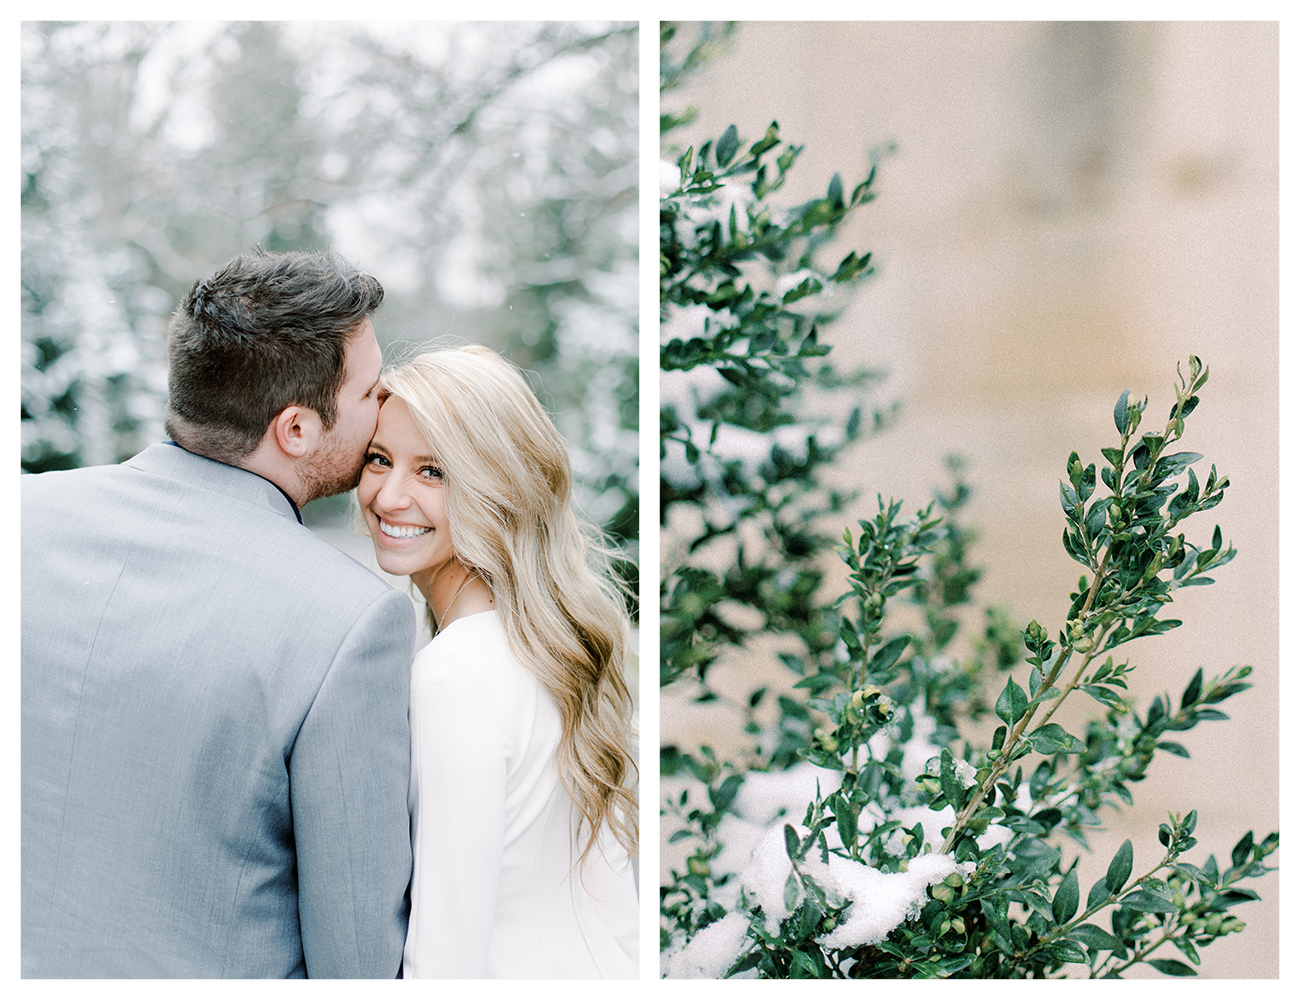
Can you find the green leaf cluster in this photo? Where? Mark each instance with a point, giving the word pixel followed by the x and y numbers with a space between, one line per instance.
pixel 1021 912
pixel 760 339
pixel 898 663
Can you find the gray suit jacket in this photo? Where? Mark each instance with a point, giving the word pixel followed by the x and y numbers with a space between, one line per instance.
pixel 215 745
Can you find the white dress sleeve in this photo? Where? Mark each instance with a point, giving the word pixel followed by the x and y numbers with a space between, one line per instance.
pixel 460 749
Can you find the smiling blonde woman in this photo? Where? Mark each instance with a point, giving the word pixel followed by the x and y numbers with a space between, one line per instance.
pixel 523 809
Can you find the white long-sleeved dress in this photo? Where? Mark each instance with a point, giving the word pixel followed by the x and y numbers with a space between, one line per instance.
pixel 496 892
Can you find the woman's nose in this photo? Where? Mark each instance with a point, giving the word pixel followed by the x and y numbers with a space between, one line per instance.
pixel 393 492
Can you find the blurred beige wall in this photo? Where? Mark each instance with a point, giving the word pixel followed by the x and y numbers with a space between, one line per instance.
pixel 1072 208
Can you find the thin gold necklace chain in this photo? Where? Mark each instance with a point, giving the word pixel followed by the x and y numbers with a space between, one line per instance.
pixel 447 610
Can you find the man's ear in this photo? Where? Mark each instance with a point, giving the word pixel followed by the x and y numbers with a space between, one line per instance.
pixel 296 430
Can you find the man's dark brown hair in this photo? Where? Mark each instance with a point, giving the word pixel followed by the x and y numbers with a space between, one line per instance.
pixel 266 331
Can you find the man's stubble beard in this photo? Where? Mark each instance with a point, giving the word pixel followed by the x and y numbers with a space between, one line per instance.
pixel 335 468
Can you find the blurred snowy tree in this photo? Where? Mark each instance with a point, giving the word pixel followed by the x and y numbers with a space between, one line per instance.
pixel 485 172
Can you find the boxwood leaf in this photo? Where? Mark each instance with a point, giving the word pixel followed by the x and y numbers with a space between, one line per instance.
pixel 1121 866
pixel 1094 937
pixel 952 787
pixel 1171 465
pixel 1011 703
pixel 844 821
pixel 791 843
pixel 1097 893
pixel 1171 966
pixel 1052 739
pixel 727 146
pixel 888 654
pixel 1066 902
pixel 1147 902
pixel 1121 412
pixel 1242 849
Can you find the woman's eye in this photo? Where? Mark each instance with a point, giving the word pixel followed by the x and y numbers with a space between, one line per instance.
pixel 431 472
pixel 374 458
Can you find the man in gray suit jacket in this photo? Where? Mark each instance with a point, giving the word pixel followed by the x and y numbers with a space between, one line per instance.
pixel 215 746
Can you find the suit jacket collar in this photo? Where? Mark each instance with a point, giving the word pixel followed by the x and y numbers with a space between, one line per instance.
pixel 174 462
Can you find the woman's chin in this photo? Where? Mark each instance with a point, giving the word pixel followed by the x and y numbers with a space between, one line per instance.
pixel 387 561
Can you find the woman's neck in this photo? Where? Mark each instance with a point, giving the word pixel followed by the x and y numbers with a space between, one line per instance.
pixel 454 592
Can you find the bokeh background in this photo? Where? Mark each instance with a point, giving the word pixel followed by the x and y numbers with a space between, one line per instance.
pixel 1068 210
pixel 485 173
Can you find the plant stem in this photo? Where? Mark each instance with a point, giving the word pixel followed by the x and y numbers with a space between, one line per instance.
pixel 1016 733
pixel 1074 681
pixel 1169 859
pixel 1138 956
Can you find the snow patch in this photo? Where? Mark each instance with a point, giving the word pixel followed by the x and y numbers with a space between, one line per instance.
pixel 879 901
pixel 712 951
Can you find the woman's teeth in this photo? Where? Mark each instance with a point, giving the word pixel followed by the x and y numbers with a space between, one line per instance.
pixel 403 531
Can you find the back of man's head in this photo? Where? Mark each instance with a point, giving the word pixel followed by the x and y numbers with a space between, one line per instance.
pixel 266 331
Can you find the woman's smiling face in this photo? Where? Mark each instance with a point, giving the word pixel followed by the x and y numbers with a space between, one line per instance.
pixel 401 494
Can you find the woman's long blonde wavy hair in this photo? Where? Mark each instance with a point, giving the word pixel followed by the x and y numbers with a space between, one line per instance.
pixel 508 487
